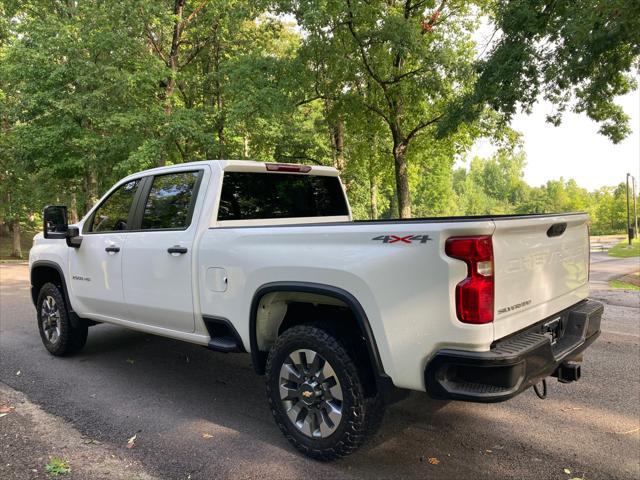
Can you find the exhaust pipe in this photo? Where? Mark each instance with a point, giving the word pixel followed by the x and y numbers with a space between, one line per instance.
pixel 567 372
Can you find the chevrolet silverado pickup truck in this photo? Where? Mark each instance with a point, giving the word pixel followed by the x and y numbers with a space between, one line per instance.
pixel 265 258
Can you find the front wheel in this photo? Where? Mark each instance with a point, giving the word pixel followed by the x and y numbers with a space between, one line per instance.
pixel 316 395
pixel 58 335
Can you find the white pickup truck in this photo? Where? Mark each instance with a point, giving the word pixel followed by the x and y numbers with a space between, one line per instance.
pixel 262 258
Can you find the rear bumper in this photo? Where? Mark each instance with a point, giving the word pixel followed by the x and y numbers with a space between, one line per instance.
pixel 517 362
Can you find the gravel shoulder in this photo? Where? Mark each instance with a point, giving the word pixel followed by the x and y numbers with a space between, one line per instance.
pixel 30 438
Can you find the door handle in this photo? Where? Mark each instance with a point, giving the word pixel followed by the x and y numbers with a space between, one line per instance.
pixel 112 249
pixel 177 249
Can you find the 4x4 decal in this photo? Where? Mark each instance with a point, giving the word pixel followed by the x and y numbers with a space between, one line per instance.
pixel 405 239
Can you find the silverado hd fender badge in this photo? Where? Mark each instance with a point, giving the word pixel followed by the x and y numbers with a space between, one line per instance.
pixel 514 307
pixel 405 239
pixel 81 278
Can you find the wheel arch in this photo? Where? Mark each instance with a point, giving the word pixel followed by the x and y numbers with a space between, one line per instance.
pixel 259 357
pixel 44 271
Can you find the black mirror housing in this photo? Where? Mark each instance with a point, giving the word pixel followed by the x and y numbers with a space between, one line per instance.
pixel 55 223
pixel 73 237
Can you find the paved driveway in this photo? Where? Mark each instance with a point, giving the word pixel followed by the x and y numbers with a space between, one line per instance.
pixel 605 268
pixel 171 393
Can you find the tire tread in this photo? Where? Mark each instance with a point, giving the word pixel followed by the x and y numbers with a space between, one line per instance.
pixel 72 339
pixel 366 413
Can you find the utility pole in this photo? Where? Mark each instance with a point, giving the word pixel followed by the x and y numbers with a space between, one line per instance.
pixel 635 212
pixel 629 232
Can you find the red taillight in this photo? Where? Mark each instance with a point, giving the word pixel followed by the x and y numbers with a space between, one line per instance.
pixel 474 295
pixel 287 167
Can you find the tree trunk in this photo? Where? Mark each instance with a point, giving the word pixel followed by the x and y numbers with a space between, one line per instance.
pixel 91 190
pixel 373 197
pixel 402 179
pixel 220 127
pixel 221 141
pixel 16 250
pixel 337 143
pixel 178 6
pixel 172 63
pixel 73 208
pixel 245 146
pixel 217 100
pixel 393 206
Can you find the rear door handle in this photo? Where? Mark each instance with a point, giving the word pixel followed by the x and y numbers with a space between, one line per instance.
pixel 112 249
pixel 177 249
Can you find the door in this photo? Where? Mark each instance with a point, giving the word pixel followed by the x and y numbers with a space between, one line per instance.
pixel 96 267
pixel 157 261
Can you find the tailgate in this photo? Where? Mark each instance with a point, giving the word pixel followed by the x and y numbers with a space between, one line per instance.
pixel 541 267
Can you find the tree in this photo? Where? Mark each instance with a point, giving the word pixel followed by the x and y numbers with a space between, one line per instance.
pixel 610 210
pixel 85 87
pixel 390 92
pixel 403 61
pixel 178 32
pixel 17 192
pixel 576 55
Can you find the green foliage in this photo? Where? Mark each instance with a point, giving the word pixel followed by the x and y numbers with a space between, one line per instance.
pixel 577 55
pixel 390 92
pixel 399 61
pixel 496 186
pixel 623 285
pixel 57 466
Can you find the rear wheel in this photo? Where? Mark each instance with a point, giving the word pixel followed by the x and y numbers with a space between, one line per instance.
pixel 58 335
pixel 316 394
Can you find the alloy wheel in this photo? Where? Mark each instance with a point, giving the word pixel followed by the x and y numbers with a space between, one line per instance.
pixel 50 318
pixel 311 393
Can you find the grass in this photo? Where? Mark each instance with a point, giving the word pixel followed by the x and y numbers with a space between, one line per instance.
pixel 624 250
pixel 57 466
pixel 628 282
pixel 623 285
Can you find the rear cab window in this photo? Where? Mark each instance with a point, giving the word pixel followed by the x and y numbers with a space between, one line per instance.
pixel 170 201
pixel 252 197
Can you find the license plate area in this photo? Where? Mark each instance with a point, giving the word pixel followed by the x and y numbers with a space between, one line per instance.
pixel 554 329
pixel 569 328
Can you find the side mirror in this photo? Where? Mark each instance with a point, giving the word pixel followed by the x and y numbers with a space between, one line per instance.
pixel 55 221
pixel 56 225
pixel 73 237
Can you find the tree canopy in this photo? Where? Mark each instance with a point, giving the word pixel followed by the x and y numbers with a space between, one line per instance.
pixel 392 93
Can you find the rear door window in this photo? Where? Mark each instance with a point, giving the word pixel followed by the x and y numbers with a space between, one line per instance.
pixel 253 196
pixel 170 201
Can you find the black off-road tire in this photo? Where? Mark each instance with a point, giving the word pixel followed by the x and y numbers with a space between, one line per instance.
pixel 361 416
pixel 70 339
pixel 376 408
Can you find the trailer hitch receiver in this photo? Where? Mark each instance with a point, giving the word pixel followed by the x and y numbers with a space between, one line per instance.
pixel 567 372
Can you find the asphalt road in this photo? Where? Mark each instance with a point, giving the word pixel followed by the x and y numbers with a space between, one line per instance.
pixel 170 393
pixel 605 268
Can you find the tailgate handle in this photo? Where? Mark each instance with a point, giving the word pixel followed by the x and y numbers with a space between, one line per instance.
pixel 556 229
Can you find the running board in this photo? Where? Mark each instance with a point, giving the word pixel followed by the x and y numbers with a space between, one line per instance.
pixel 224 344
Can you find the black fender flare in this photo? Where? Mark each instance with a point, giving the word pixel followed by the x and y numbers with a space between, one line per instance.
pixel 259 358
pixel 75 320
